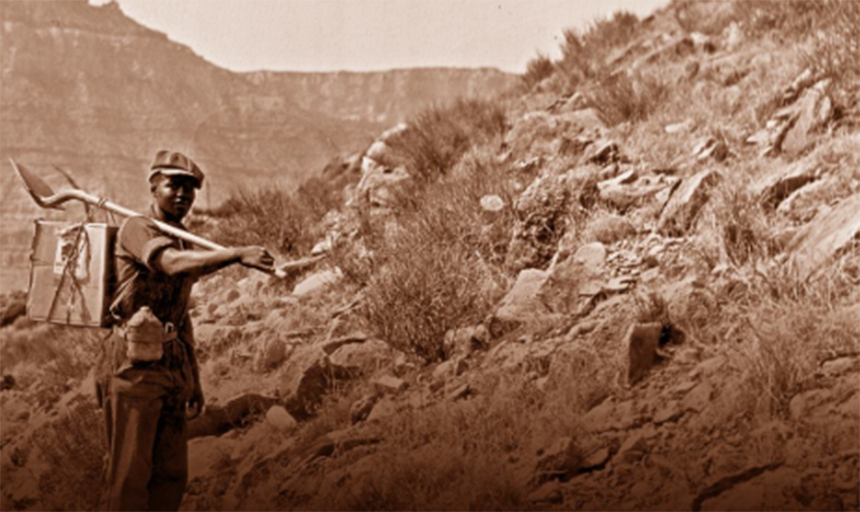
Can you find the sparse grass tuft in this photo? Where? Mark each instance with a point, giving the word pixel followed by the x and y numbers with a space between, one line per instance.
pixel 740 223
pixel 622 98
pixel 705 16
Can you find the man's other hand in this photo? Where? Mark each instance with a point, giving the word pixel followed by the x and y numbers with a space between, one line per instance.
pixel 196 404
pixel 257 257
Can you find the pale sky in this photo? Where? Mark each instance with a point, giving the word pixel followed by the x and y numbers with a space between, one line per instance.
pixel 365 35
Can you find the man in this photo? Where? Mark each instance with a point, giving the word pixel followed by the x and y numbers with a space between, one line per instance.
pixel 146 399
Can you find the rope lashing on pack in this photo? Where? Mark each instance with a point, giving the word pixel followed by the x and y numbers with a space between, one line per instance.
pixel 71 261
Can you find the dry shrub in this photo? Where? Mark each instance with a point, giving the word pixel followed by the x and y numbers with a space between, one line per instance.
pixel 537 69
pixel 423 294
pixel 577 63
pixel 584 54
pixel 624 98
pixel 276 217
pixel 611 32
pixel 436 267
pixel 784 344
pixel 437 137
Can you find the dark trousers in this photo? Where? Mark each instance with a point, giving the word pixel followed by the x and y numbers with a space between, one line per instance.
pixel 144 406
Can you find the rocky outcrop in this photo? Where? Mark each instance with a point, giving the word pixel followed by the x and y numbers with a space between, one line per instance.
pixel 792 129
pixel 541 210
pixel 826 235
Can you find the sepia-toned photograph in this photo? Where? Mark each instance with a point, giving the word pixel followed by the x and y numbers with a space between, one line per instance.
pixel 431 255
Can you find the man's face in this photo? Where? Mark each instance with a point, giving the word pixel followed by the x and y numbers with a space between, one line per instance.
pixel 174 195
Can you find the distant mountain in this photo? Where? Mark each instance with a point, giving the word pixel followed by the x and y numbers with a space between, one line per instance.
pixel 88 89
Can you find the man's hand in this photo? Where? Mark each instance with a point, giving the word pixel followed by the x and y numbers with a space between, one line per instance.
pixel 256 257
pixel 197 403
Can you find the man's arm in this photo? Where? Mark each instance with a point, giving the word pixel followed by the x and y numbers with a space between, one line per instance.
pixel 173 261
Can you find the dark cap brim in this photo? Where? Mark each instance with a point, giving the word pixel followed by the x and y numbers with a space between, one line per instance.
pixel 167 171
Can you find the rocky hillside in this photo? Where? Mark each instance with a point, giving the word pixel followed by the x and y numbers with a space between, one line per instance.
pixel 88 89
pixel 636 285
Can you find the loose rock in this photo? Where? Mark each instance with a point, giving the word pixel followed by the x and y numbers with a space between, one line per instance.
pixel 316 282
pixel 777 186
pixel 811 112
pixel 521 305
pixel 271 355
pixel 279 418
pixel 305 392
pixel 819 240
pixel 560 461
pixel 389 384
pixel 686 201
pixel 360 410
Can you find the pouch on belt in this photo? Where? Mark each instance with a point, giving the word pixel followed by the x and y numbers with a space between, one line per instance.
pixel 145 336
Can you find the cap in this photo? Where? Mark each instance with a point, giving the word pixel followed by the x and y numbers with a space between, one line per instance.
pixel 172 163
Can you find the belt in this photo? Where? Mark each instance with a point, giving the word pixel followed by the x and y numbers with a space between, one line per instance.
pixel 170 333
